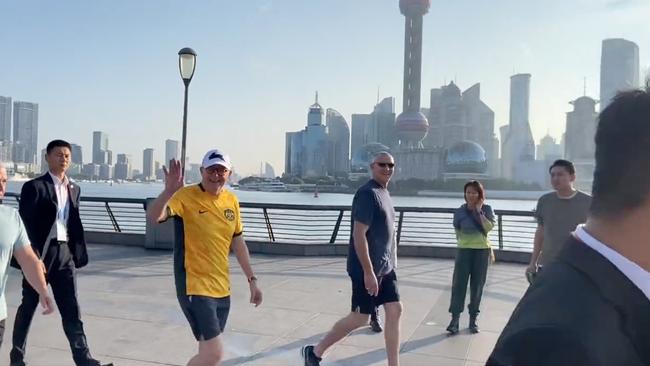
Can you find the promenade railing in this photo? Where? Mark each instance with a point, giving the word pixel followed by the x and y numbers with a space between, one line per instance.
pixel 314 224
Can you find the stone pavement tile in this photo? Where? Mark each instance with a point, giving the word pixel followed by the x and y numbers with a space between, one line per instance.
pixel 132 317
pixel 357 356
pixel 414 359
pixel 267 320
pixel 481 346
pixel 434 341
pixel 343 355
pixel 284 352
pixel 318 323
pixel 322 296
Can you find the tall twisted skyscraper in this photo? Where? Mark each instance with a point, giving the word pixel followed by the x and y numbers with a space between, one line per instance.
pixel 619 68
pixel 412 125
pixel 518 147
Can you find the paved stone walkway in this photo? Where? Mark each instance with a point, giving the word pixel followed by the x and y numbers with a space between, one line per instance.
pixel 132 317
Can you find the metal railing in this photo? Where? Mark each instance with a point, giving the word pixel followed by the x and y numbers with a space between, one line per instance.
pixel 120 215
pixel 309 224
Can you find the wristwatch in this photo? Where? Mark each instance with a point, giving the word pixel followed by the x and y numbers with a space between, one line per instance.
pixel 251 279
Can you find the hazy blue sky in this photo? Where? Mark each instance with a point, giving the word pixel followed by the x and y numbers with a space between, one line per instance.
pixel 112 65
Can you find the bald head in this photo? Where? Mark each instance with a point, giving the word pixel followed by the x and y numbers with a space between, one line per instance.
pixel 382 155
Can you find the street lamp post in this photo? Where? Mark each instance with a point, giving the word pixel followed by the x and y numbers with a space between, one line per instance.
pixel 186 65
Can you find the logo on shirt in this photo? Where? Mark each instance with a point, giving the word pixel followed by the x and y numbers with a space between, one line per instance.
pixel 202 211
pixel 229 214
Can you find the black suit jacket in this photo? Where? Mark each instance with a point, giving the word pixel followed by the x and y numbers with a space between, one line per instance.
pixel 38 209
pixel 581 310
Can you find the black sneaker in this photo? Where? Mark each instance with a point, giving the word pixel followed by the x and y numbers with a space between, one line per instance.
pixel 308 355
pixel 375 324
pixel 93 362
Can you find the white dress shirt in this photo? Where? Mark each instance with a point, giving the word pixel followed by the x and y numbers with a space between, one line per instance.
pixel 637 275
pixel 60 227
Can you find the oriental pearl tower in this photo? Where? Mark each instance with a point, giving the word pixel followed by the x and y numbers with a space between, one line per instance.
pixel 411 124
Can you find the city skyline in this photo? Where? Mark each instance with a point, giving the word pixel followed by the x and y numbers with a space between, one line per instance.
pixel 127 84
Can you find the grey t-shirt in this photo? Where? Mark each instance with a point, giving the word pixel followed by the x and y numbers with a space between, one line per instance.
pixel 559 218
pixel 13 236
pixel 373 206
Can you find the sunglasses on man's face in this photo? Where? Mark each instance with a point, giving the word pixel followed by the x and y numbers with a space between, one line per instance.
pixel 217 169
pixel 383 165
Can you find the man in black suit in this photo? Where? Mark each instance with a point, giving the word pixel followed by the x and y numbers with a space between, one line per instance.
pixel 49 207
pixel 591 306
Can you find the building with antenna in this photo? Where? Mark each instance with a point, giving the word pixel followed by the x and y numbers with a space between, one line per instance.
pixel 307 151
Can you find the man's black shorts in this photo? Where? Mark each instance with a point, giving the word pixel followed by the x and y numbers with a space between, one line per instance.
pixel 207 315
pixel 363 303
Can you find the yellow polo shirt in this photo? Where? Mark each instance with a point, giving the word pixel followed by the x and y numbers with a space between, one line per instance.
pixel 210 223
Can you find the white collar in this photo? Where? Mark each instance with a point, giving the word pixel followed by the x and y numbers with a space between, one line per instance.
pixel 637 275
pixel 56 179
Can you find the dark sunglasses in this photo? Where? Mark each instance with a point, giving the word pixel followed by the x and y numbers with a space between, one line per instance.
pixel 383 165
pixel 219 169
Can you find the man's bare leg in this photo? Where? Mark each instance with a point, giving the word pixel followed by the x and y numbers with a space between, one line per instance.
pixel 341 329
pixel 210 353
pixel 393 312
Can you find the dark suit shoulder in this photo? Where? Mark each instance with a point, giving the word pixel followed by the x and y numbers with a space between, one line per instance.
pixel 583 295
pixel 561 296
pixel 30 184
pixel 541 346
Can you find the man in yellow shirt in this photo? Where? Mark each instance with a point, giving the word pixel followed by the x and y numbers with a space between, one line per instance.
pixel 211 227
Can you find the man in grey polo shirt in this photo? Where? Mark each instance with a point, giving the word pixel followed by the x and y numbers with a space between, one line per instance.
pixel 14 242
pixel 558 214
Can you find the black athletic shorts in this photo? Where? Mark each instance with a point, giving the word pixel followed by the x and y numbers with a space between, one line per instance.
pixel 207 315
pixel 363 303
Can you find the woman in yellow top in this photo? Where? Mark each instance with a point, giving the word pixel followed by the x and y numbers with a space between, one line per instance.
pixel 472 222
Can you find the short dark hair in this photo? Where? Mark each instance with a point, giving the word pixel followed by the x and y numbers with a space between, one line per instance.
pixel 622 174
pixel 565 164
pixel 477 186
pixel 57 143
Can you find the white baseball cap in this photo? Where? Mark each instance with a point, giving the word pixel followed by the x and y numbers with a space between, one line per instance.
pixel 216 157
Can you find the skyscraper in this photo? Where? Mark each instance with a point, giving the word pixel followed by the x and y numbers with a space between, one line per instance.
pixel 619 68
pixel 359 136
pixel 5 119
pixel 455 117
pixel 105 172
pixel 411 124
pixel 580 147
pixel 315 142
pixel 519 146
pixel 548 149
pixel 25 132
pixel 123 167
pixel 100 148
pixel 581 126
pixel 382 127
pixel 171 151
pixel 148 167
pixel 77 155
pixel 293 163
pixel 309 152
pixel 339 137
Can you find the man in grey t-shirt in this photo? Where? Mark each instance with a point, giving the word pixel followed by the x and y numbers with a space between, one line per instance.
pixel 371 265
pixel 558 213
pixel 14 242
